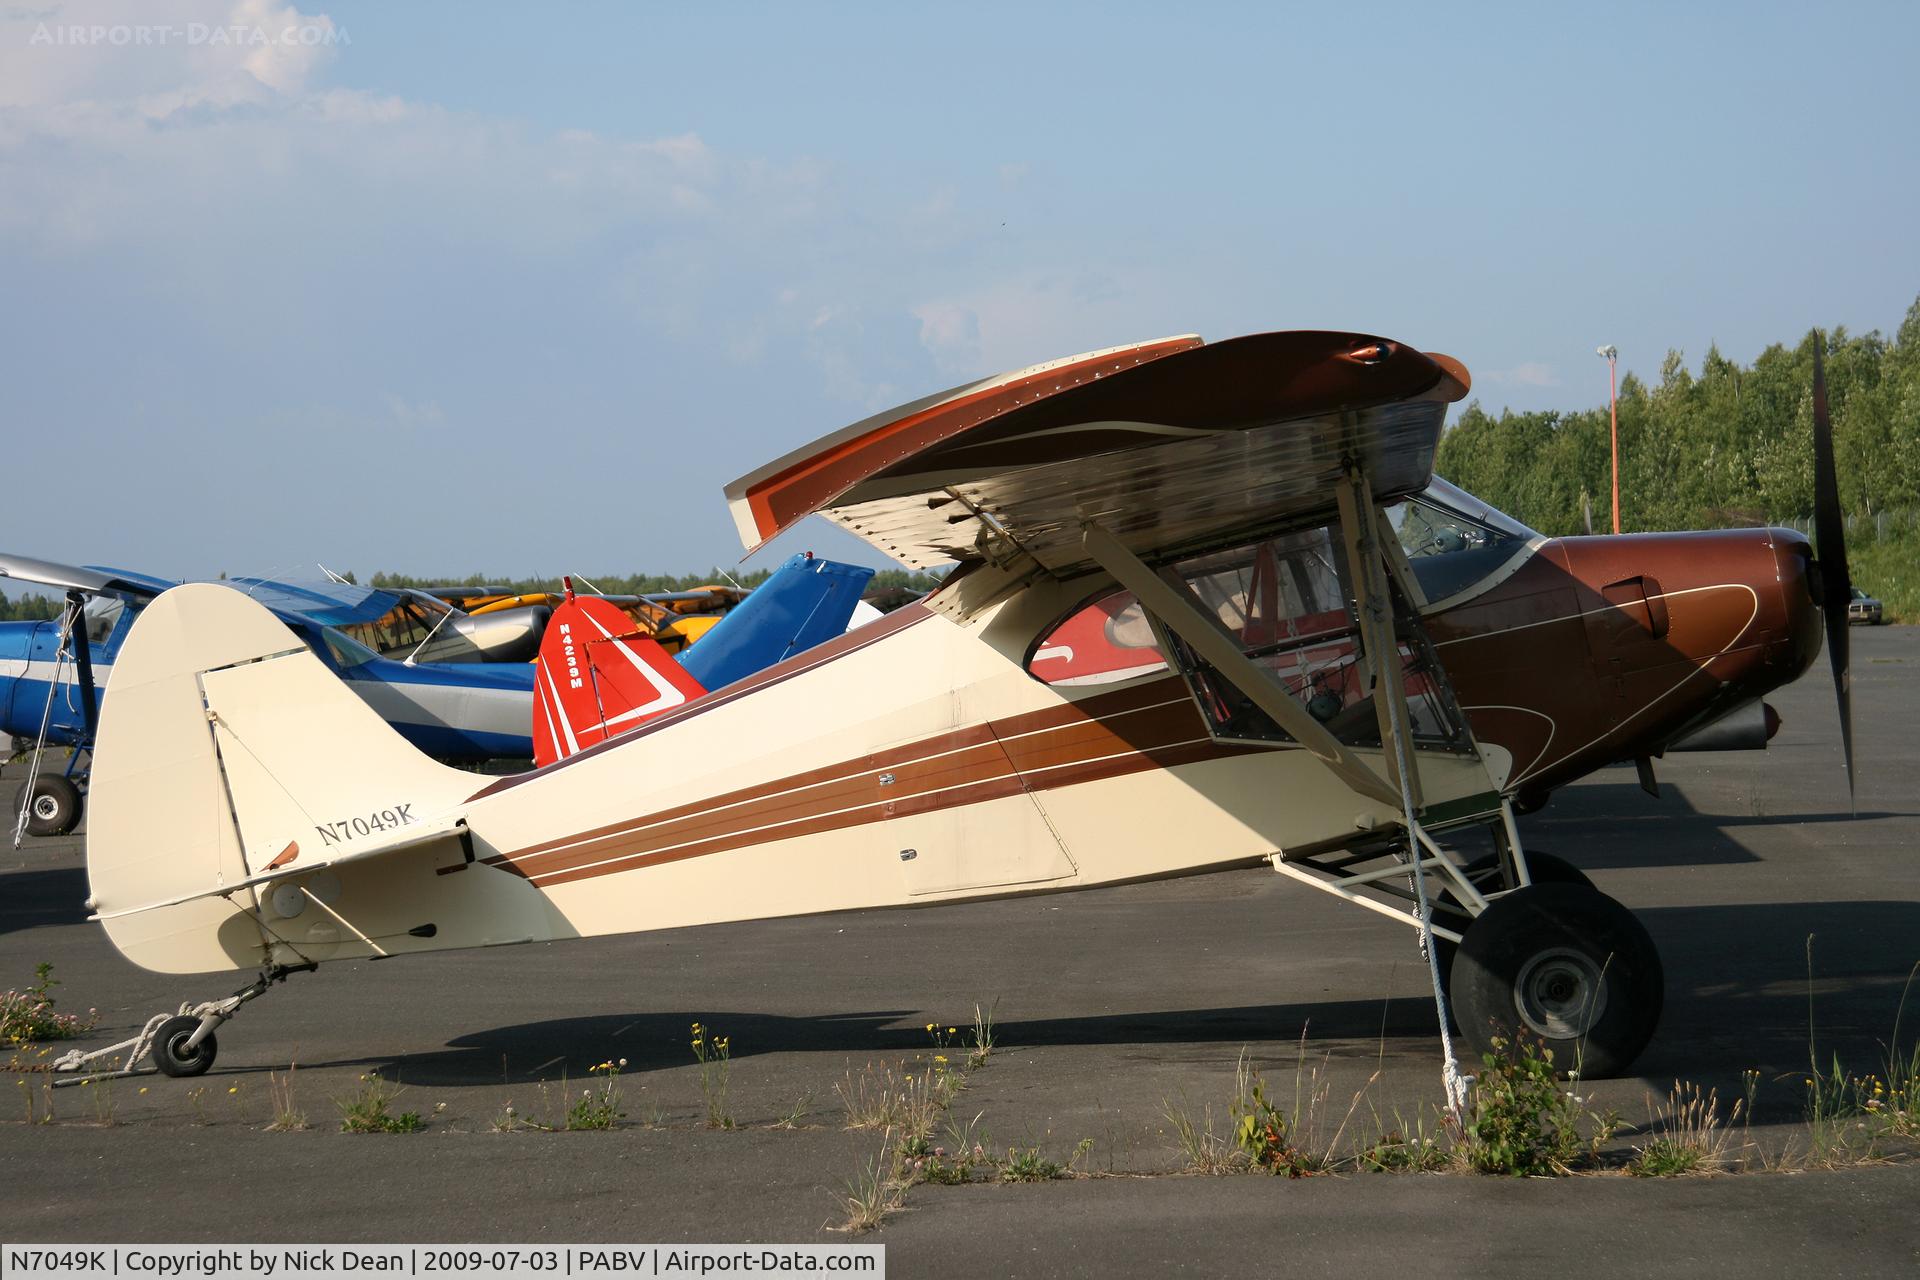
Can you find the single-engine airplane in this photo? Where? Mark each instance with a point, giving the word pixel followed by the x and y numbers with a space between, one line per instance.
pixel 1302 690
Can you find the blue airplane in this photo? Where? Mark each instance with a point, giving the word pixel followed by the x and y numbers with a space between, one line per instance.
pixel 53 673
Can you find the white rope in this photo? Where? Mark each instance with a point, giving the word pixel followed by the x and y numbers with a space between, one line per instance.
pixel 139 1045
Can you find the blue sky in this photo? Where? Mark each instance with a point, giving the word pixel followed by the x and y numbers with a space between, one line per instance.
pixel 458 288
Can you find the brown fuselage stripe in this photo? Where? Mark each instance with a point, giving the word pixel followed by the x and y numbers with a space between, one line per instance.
pixel 1139 728
pixel 994 789
pixel 858 773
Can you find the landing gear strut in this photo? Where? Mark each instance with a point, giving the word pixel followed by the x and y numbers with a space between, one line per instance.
pixel 180 1044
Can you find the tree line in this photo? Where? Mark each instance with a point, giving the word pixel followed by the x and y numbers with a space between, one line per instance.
pixel 1730 444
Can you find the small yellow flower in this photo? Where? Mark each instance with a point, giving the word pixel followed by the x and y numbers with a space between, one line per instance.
pixel 939 1057
pixel 953 1031
pixel 143 1089
pixel 234 1089
pixel 929 1026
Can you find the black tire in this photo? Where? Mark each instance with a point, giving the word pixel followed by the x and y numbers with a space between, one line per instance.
pixel 54 808
pixel 1565 965
pixel 170 1053
pixel 1485 873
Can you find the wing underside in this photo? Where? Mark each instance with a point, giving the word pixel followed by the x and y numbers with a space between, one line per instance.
pixel 1171 447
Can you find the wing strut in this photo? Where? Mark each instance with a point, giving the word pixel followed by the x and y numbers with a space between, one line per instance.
pixel 1381 646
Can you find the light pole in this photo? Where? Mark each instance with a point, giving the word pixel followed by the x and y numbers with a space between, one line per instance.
pixel 1612 353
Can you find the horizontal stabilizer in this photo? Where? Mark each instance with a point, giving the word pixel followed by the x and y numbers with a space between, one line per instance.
pixel 411 837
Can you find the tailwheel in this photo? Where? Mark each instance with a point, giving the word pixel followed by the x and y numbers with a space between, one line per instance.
pixel 54 807
pixel 170 1052
pixel 1563 964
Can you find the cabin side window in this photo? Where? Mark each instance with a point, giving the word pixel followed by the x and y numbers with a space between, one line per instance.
pixel 1288 602
pixel 1103 642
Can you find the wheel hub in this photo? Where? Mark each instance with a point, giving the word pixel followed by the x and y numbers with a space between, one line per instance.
pixel 46 808
pixel 1560 994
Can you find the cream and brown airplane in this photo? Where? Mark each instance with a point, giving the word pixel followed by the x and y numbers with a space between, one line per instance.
pixel 1219 528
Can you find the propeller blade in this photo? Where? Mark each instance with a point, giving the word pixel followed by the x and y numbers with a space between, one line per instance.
pixel 1830 536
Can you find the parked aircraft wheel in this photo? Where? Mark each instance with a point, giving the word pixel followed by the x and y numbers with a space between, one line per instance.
pixel 170 1052
pixel 54 808
pixel 1566 965
pixel 1485 873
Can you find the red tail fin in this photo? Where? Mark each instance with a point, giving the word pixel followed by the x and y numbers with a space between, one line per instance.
pixel 598 677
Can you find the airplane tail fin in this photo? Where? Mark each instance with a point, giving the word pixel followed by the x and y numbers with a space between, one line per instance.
pixel 232 765
pixel 806 602
pixel 597 677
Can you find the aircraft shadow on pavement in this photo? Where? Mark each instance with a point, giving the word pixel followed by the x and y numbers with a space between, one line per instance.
pixel 1602 825
pixel 52 895
pixel 1737 999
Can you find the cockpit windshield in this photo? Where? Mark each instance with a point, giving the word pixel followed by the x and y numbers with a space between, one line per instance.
pixel 420 627
pixel 103 614
pixel 1453 540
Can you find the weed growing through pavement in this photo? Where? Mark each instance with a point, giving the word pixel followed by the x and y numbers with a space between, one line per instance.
pixel 714 1054
pixel 1203 1150
pixel 1896 1103
pixel 287 1116
pixel 99 1091
pixel 981 1047
pixel 369 1109
pixel 29 1016
pixel 880 1097
pixel 1688 1134
pixel 196 1098
pixel 873 1192
pixel 1526 1118
pixel 599 1109
pixel 1285 1142
pixel 1403 1147
pixel 1026 1164
pixel 796 1113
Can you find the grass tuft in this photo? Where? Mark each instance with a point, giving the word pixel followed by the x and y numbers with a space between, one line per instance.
pixel 369 1109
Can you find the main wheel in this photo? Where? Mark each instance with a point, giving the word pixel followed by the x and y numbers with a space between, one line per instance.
pixel 170 1052
pixel 54 808
pixel 1486 876
pixel 1566 965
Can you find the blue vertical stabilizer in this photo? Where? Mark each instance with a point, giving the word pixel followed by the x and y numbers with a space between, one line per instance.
pixel 806 602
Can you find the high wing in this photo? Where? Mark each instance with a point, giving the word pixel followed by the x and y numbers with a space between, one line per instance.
pixel 86 579
pixel 329 604
pixel 1171 446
